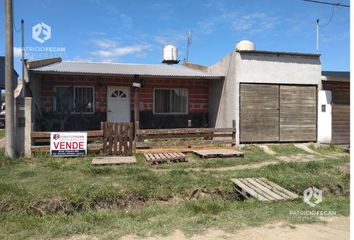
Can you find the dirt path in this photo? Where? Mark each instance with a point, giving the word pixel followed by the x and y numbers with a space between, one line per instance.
pixel 334 228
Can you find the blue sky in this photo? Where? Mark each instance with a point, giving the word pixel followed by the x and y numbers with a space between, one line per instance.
pixel 135 31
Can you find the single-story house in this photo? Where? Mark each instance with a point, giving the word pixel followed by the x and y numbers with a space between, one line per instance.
pixel 156 95
pixel 268 96
pixel 335 107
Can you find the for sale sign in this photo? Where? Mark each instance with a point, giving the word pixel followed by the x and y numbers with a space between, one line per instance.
pixel 68 144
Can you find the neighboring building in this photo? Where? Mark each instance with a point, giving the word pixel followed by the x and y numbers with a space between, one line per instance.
pixel 2 76
pixel 169 95
pixel 271 95
pixel 336 106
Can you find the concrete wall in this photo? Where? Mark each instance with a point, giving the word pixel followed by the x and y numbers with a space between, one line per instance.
pixel 277 68
pixel 324 128
pixel 222 93
pixel 269 68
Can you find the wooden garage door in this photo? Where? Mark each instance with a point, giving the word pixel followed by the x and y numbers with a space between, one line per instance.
pixel 340 110
pixel 259 113
pixel 278 113
pixel 298 113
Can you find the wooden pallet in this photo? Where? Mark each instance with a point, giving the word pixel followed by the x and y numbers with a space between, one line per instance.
pixel 116 160
pixel 156 158
pixel 262 189
pixel 218 153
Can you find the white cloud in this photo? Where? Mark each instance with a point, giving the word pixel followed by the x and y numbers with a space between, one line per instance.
pixel 110 51
pixel 173 38
pixel 255 22
pixel 105 43
pixel 251 23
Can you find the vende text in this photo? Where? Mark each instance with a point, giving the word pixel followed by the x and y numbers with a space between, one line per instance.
pixel 69 145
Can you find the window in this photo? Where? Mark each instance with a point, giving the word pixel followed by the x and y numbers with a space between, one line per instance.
pixel 170 101
pixel 77 99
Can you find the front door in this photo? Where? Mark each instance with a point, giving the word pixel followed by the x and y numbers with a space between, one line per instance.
pixel 118 104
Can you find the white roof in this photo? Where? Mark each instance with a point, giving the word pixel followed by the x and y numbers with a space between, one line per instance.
pixel 161 70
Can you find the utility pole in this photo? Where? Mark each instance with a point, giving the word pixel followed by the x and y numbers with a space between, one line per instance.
pixel 9 91
pixel 23 51
pixel 317 34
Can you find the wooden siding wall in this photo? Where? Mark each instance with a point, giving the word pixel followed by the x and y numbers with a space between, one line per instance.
pixel 278 113
pixel 340 110
pixel 298 113
pixel 259 118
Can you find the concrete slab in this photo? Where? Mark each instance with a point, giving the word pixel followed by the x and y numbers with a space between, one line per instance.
pixel 218 153
pixel 113 160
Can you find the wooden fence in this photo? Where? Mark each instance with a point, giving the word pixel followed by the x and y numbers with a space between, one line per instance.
pixel 185 137
pixel 41 141
pixel 118 138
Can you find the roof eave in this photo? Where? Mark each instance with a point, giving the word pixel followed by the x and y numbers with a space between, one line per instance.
pixel 315 55
pixel 124 75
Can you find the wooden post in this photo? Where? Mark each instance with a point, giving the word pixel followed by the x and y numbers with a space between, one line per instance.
pixel 136 98
pixel 28 127
pixel 234 132
pixel 136 128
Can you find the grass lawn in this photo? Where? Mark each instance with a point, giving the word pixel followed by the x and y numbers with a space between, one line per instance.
pixel 45 197
pixel 2 133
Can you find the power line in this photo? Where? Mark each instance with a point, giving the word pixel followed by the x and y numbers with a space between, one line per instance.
pixel 328 3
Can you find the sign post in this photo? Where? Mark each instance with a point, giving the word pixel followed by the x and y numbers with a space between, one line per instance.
pixel 68 144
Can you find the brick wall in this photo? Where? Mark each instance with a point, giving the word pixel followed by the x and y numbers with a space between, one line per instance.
pixel 197 90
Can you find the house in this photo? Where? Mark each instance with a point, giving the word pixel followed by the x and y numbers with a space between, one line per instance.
pixel 271 95
pixel 158 96
pixel 267 96
pixel 335 107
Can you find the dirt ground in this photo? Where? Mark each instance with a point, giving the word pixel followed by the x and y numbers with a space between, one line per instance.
pixel 334 228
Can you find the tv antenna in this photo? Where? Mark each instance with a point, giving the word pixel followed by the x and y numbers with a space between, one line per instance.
pixel 189 41
pixel 318 20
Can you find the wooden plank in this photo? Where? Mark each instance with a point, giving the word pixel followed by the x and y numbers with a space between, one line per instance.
pixel 276 190
pixel 259 113
pixel 298 113
pixel 189 143
pixel 218 153
pixel 259 191
pixel 113 160
pixel 94 133
pixel 291 194
pixel 142 132
pixel 264 190
pixel 249 190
